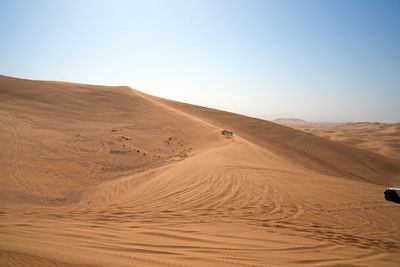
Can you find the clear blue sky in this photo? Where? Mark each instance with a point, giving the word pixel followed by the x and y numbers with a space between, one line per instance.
pixel 315 60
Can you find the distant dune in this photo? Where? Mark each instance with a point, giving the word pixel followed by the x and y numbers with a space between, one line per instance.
pixel 380 138
pixel 290 121
pixel 111 176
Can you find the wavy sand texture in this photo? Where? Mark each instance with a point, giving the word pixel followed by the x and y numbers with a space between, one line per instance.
pixel 109 176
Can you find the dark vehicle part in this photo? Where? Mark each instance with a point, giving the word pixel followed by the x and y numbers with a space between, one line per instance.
pixel 393 194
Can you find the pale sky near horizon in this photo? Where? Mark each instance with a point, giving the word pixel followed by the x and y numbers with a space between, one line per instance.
pixel 313 60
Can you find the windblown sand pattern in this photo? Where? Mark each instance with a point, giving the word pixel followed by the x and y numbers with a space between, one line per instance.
pixel 109 176
pixel 380 138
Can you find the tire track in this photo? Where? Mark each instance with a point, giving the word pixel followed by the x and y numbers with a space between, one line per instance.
pixel 14 162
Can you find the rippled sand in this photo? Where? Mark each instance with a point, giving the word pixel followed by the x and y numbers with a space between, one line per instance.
pixel 109 176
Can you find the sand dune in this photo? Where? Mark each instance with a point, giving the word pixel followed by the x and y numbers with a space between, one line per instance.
pixel 110 176
pixel 380 138
pixel 290 121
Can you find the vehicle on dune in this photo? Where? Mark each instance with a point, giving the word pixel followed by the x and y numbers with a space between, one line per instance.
pixel 392 194
pixel 227 133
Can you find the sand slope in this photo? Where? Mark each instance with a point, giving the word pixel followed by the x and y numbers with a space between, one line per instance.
pixel 380 138
pixel 319 154
pixel 109 176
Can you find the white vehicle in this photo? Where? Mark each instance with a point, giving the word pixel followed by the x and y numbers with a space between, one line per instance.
pixel 392 194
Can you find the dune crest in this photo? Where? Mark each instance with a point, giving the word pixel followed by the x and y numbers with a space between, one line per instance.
pixel 110 176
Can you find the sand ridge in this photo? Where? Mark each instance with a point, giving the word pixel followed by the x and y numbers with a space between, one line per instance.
pixel 380 138
pixel 109 176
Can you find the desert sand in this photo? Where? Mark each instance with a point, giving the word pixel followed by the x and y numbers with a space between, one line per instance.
pixel 380 138
pixel 110 176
